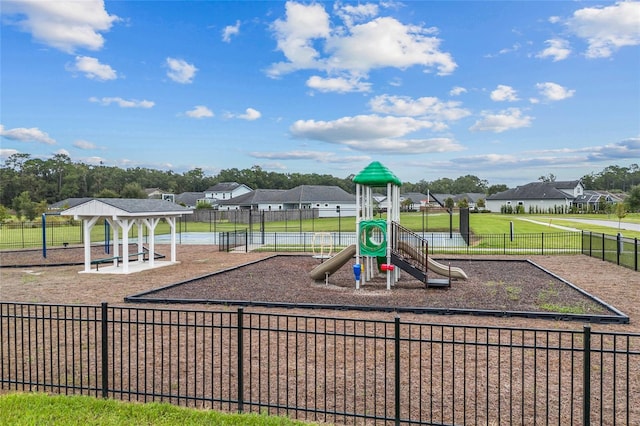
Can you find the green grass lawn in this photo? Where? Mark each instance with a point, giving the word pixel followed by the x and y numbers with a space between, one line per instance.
pixel 480 224
pixel 40 409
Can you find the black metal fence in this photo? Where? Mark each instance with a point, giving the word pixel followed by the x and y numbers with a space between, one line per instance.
pixel 338 370
pixel 612 248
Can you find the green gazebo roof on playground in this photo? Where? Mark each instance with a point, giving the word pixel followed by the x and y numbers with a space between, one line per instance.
pixel 375 174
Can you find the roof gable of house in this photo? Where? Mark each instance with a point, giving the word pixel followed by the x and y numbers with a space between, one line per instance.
pixel 258 196
pixel 189 198
pixel 414 197
pixel 317 193
pixel 537 191
pixel 225 187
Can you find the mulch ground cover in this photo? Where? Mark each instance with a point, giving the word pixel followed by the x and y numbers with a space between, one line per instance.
pixel 496 285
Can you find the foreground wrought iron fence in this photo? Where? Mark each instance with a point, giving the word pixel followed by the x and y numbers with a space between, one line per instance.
pixel 336 370
pixel 612 248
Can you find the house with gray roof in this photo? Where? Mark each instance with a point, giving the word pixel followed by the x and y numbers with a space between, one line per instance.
pixel 225 191
pixel 189 199
pixel 471 197
pixel 538 196
pixel 591 201
pixel 330 201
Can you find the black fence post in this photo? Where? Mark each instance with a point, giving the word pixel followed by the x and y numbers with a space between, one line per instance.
pixel 635 262
pixel 542 244
pixel 397 370
pixel 586 377
pixel 240 358
pixel 603 247
pixel 105 350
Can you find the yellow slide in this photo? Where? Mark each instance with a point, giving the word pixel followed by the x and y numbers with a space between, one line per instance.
pixel 436 267
pixel 332 265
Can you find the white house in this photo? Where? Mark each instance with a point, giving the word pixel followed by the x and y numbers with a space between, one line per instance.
pixel 539 196
pixel 225 191
pixel 331 201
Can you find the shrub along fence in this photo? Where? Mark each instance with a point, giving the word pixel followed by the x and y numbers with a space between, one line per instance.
pixel 338 370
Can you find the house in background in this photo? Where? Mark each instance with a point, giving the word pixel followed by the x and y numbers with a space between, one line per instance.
pixel 593 201
pixel 471 197
pixel 330 201
pixel 538 196
pixel 413 201
pixel 153 193
pixel 189 199
pixel 225 191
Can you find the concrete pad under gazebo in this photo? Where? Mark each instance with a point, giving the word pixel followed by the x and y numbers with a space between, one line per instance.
pixel 122 214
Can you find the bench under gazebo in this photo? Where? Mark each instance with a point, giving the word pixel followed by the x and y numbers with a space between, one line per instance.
pixel 122 214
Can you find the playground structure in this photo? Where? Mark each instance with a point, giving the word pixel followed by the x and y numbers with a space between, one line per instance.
pixel 384 245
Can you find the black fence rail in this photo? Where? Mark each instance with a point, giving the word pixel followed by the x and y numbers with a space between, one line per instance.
pixel 336 370
pixel 228 241
pixel 612 248
pixel 19 235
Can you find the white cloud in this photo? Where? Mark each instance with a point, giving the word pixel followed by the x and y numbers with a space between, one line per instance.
pixel 308 41
pixel 578 158
pixel 319 156
pixel 7 152
pixel 123 103
pixel 351 13
pixel 93 69
pixel 625 149
pixel 558 49
pixel 24 134
pixel 457 91
pixel 338 84
pixel 250 114
pixel 607 29
pixel 199 111
pixel 554 92
pixel 295 36
pixel 230 30
pixel 426 107
pixel 63 152
pixel 511 118
pixel 386 42
pixel 373 133
pixel 64 25
pixel 504 93
pixel 181 71
pixel 82 144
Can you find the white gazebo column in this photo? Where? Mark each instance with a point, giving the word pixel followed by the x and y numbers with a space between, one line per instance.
pixel 125 225
pixel 151 225
pixel 172 224
pixel 88 226
pixel 115 236
pixel 140 250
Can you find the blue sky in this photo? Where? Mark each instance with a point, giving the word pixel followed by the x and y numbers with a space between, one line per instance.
pixel 504 90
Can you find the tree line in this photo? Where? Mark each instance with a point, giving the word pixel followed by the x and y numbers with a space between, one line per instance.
pixel 25 179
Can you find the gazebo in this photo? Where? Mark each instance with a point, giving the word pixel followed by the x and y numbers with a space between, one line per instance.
pixel 122 214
